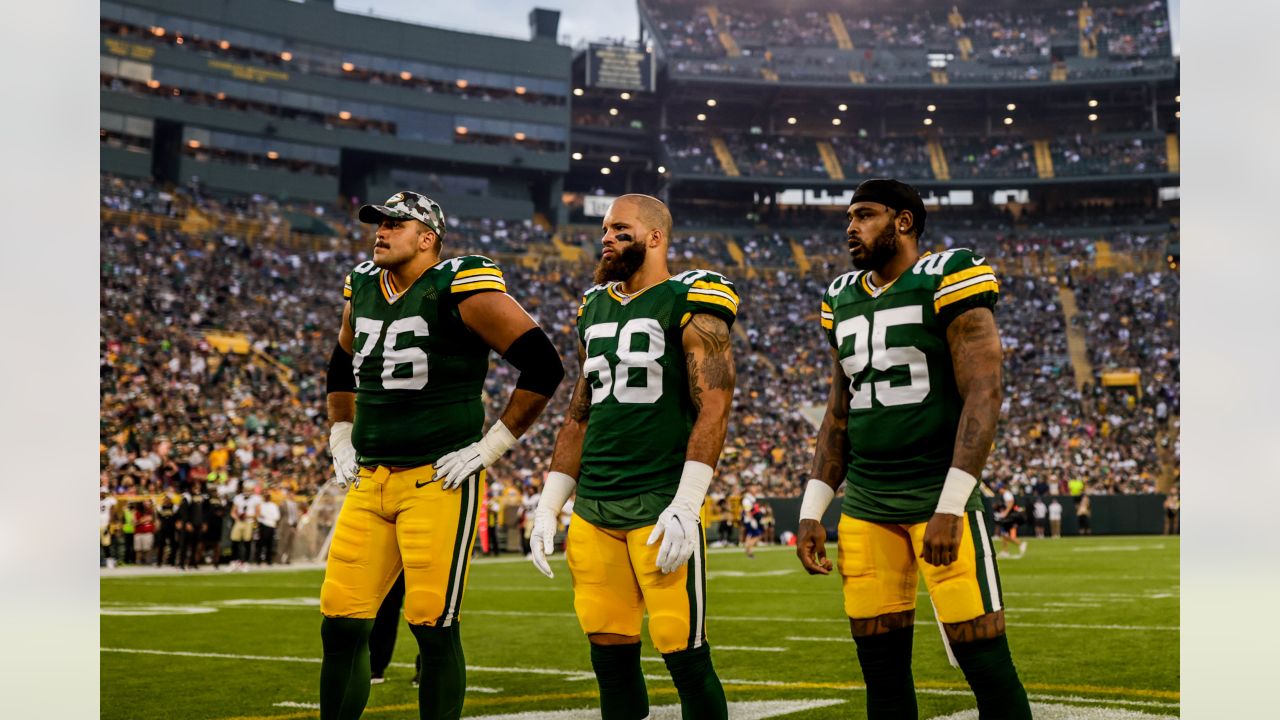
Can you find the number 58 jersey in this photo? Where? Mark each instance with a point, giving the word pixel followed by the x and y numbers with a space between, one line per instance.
pixel 641 413
pixel 419 370
pixel 904 407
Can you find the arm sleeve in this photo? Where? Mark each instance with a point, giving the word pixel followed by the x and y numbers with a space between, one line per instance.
pixel 712 294
pixel 968 281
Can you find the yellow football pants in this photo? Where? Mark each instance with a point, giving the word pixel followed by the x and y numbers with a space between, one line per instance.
pixel 880 565
pixel 402 520
pixel 615 578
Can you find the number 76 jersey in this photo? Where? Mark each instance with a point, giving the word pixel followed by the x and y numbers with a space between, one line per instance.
pixel 904 405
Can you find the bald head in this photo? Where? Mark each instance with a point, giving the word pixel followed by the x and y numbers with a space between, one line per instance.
pixel 650 211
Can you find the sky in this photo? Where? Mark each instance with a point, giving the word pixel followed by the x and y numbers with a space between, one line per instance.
pixel 580 20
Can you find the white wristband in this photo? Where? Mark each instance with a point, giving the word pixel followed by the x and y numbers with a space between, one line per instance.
pixel 495 443
pixel 817 496
pixel 694 482
pixel 556 489
pixel 955 492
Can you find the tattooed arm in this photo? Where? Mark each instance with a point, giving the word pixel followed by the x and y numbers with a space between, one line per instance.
pixel 708 356
pixel 567 456
pixel 975 360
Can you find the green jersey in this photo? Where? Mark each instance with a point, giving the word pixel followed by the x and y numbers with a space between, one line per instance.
pixel 419 370
pixel 904 406
pixel 641 414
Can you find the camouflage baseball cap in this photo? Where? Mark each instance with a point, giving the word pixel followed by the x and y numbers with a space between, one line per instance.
pixel 406 205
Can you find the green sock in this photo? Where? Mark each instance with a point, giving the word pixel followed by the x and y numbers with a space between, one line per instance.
pixel 701 695
pixel 344 670
pixel 442 683
pixel 622 692
pixel 886 669
pixel 988 667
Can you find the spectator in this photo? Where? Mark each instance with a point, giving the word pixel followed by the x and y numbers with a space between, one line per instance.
pixel 1055 518
pixel 268 518
pixel 144 533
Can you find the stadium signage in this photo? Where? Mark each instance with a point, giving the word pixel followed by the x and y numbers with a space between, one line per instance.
pixel 620 67
pixel 128 49
pixel 248 72
pixel 597 205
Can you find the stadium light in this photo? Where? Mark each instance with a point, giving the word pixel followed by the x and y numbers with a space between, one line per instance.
pixel 178 40
pixel 625 95
pixel 843 107
pixel 406 75
pixel 1008 121
pixel 273 155
pixel 520 89
pixel 711 102
pixel 835 121
pixel 614 158
pixel 348 67
pixel 344 115
pixel 791 121
pixel 286 56
pixel 520 136
pixel 931 107
pixel 702 117
pixel 662 169
pixel 577 92
pixel 1093 103
pixel 193 143
pixel 220 96
pixel 224 44
pixel 928 121
pixel 153 84
pixel 461 129
pixel 157 31
pixel 613 111
pixel 1010 107
pixel 577 156
pixel 605 171
pixel 462 83
pixel 1093 117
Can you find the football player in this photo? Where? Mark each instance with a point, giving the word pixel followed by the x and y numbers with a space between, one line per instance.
pixel 644 430
pixel 911 414
pixel 404 400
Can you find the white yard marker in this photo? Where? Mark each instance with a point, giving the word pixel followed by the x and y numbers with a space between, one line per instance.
pixel 756 710
pixel 1044 711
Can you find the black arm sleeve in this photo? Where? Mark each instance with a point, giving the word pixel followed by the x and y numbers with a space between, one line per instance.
pixel 538 362
pixel 340 378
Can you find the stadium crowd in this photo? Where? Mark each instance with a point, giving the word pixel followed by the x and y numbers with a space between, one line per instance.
pixel 185 421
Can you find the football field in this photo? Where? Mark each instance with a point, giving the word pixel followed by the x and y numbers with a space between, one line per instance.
pixel 1093 625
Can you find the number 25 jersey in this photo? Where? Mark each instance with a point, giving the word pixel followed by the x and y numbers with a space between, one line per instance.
pixel 419 370
pixel 904 407
pixel 641 414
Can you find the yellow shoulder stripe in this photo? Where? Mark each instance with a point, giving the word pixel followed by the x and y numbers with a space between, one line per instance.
pixel 945 300
pixel 825 307
pixel 714 300
pixel 965 274
pixel 827 324
pixel 479 285
pixel 478 271
pixel 711 285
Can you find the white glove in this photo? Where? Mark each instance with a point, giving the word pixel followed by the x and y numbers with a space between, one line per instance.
pixel 345 467
pixel 678 524
pixel 542 540
pixel 452 468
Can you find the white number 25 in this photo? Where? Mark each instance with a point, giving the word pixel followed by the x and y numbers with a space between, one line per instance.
pixel 872 333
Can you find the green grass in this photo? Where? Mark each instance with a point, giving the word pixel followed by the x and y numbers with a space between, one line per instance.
pixel 1092 624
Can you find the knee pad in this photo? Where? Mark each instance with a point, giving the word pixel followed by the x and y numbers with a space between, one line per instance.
pixel 596 614
pixel 669 632
pixel 423 606
pixel 957 599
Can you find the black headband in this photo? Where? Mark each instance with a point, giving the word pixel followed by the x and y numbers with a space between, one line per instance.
pixel 893 194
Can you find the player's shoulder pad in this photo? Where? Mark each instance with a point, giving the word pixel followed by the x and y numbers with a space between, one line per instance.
pixel 359 275
pixel 590 294
pixel 961 274
pixel 472 273
pixel 709 289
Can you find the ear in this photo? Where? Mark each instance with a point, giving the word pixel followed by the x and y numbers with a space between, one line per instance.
pixel 655 238
pixel 904 221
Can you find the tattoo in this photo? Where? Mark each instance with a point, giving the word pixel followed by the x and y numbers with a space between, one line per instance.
pixel 969 435
pixel 580 403
pixel 976 358
pixel 713 331
pixel 695 388
pixel 717 367
pixel 882 623
pixel 984 627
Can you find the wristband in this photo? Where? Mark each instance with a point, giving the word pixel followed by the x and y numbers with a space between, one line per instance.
pixel 955 492
pixel 556 489
pixel 495 443
pixel 817 496
pixel 694 482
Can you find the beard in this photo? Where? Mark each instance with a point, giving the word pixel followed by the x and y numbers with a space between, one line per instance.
pixel 881 250
pixel 622 265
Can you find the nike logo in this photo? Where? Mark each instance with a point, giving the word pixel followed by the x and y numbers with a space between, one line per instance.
pixel 979 261
pixel 486 263
pixel 417 484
